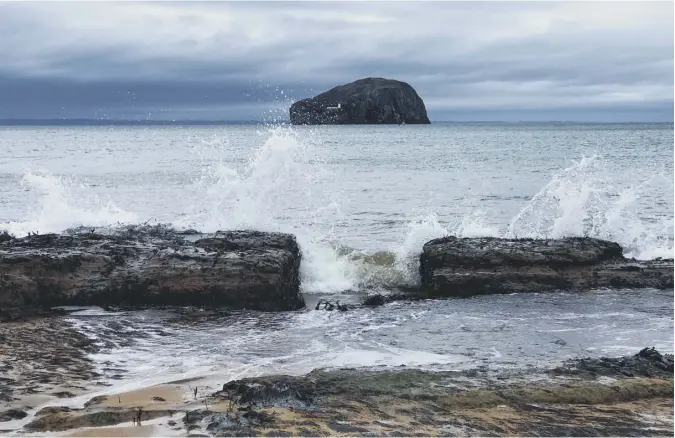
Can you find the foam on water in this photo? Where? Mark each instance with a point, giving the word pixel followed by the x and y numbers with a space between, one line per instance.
pixel 494 331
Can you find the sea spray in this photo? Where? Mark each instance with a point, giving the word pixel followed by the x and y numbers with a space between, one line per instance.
pixel 61 203
pixel 282 173
pixel 583 200
pixel 288 184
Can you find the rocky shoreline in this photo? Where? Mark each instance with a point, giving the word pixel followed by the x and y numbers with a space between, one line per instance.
pixel 628 396
pixel 461 267
pixel 47 365
pixel 139 267
pixel 149 266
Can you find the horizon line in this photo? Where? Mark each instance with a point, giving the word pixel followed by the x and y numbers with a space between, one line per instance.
pixel 208 122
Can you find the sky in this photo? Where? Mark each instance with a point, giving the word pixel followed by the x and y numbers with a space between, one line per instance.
pixel 469 61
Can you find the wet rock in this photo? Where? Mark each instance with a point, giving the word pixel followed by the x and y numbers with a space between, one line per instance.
pixel 366 101
pixel 331 305
pixel 461 267
pixel 76 419
pixel 278 433
pixel 49 410
pixel 345 428
pixel 304 391
pixel 374 300
pixel 380 299
pixel 286 391
pixel 19 314
pixel 12 414
pixel 41 355
pixel 647 363
pixel 391 402
pixel 150 266
pixel 5 237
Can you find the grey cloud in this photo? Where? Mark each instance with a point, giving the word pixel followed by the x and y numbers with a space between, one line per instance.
pixel 467 57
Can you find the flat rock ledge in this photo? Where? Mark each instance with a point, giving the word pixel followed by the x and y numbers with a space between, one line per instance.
pixel 150 266
pixel 462 267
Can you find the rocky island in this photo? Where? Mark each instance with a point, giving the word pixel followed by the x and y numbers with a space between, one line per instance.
pixel 374 101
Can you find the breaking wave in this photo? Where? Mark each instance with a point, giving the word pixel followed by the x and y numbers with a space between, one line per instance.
pixel 582 200
pixel 284 171
pixel 61 203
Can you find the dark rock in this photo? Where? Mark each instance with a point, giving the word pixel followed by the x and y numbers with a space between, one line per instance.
pixel 332 386
pixel 77 419
pixel 359 401
pixel 49 410
pixel 151 266
pixel 5 237
pixel 647 363
pixel 304 391
pixel 331 305
pixel 279 433
pixel 366 101
pixel 18 314
pixel 282 391
pixel 379 299
pixel 374 300
pixel 12 414
pixel 461 267
pixel 345 428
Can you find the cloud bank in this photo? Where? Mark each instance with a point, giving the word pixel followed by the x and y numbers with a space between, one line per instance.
pixel 243 60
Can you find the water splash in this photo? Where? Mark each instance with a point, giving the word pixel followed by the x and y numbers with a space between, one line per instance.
pixel 582 200
pixel 578 201
pixel 285 171
pixel 287 186
pixel 399 265
pixel 63 203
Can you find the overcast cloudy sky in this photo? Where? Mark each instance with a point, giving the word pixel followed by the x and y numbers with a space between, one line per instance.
pixel 248 60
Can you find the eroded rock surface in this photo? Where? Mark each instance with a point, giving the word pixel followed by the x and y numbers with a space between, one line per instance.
pixel 149 266
pixel 460 267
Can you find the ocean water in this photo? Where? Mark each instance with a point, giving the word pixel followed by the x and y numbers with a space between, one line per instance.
pixel 362 201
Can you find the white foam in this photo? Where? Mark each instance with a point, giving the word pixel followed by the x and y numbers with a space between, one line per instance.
pixel 64 203
pixel 286 171
pixel 583 200
pixel 282 172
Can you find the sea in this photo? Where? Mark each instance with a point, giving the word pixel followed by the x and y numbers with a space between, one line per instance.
pixel 362 200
